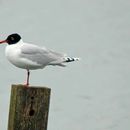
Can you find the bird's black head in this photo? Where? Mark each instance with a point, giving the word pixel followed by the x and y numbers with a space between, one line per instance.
pixel 13 38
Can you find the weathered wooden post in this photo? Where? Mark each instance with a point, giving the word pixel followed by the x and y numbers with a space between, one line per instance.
pixel 29 108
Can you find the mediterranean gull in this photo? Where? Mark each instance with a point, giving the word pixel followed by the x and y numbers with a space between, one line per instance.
pixel 30 57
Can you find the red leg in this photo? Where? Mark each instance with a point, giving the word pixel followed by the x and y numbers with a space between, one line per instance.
pixel 28 75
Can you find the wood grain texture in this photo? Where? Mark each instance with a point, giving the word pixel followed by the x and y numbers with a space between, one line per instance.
pixel 29 108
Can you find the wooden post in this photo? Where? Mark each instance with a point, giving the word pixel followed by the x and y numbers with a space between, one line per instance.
pixel 29 108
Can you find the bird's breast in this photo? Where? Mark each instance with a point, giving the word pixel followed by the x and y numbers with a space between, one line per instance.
pixel 13 54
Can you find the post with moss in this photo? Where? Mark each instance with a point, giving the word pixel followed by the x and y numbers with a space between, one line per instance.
pixel 29 108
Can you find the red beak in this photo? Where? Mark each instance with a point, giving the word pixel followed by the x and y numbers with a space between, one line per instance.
pixel 4 41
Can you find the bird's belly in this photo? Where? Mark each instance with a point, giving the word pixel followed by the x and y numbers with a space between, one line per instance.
pixel 26 64
pixel 22 62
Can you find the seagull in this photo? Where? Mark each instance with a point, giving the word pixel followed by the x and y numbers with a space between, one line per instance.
pixel 31 57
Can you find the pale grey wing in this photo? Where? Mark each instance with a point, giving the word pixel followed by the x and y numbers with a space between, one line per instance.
pixel 39 55
pixel 32 49
pixel 58 54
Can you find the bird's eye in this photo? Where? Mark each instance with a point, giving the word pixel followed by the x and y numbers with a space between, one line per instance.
pixel 12 38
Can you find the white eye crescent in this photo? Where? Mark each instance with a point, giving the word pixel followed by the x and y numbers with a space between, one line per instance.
pixel 12 38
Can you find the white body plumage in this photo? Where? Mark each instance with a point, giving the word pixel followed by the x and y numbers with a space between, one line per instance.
pixel 29 56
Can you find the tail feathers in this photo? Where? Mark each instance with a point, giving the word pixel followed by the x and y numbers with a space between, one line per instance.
pixel 61 62
pixel 70 59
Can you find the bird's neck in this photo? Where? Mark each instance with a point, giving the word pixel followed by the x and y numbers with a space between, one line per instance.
pixel 20 42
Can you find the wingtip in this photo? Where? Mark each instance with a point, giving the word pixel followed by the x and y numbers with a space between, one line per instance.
pixel 77 59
